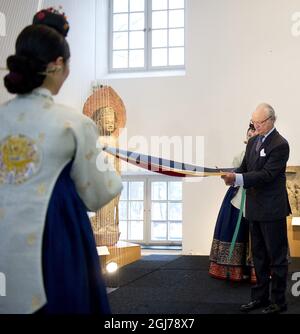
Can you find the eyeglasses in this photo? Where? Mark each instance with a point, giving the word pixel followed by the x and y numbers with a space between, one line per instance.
pixel 260 123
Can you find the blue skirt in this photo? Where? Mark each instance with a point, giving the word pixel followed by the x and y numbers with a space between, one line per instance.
pixel 239 265
pixel 227 220
pixel 71 267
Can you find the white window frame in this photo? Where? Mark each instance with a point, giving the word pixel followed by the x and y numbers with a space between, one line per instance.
pixel 136 179
pixel 147 44
pixel 147 209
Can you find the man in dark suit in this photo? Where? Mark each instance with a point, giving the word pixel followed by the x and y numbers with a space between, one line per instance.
pixel 262 174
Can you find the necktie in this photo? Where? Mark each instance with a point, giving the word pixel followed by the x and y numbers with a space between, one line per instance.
pixel 258 143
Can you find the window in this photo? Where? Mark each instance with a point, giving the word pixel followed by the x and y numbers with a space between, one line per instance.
pixel 131 211
pixel 166 211
pixel 150 211
pixel 147 35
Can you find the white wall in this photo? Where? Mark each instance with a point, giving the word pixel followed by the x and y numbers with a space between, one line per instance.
pixel 18 14
pixel 239 53
pixel 81 16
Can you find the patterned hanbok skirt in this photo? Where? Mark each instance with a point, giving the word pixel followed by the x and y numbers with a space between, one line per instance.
pixel 240 266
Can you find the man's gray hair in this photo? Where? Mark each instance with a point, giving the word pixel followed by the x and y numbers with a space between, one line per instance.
pixel 270 110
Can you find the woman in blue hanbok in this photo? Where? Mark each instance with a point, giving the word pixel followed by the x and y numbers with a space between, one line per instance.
pixel 52 171
pixel 238 266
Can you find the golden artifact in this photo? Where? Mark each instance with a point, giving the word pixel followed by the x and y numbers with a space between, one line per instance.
pixel 293 188
pixel 107 110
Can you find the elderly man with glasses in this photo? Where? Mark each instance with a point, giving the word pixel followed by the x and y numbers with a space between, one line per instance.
pixel 262 174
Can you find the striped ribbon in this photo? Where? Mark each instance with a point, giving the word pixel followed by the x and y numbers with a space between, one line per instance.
pixel 238 224
pixel 164 166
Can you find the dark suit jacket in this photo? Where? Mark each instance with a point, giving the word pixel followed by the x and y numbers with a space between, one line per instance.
pixel 264 178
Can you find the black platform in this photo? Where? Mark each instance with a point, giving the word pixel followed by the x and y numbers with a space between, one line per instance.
pixel 170 284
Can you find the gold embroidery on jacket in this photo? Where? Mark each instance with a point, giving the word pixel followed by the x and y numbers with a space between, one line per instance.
pixel 20 159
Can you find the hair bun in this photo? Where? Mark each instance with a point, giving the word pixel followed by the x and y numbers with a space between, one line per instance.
pixel 23 74
pixel 22 64
pixel 54 19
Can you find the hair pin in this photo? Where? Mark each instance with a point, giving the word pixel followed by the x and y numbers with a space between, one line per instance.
pixel 55 69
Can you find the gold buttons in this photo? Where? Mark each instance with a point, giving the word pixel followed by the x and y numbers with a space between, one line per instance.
pixel 41 189
pixel 36 302
pixel 89 155
pixel 31 239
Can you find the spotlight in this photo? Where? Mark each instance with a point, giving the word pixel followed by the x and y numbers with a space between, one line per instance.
pixel 111 267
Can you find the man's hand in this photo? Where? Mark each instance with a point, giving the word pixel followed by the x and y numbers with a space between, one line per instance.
pixel 229 179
